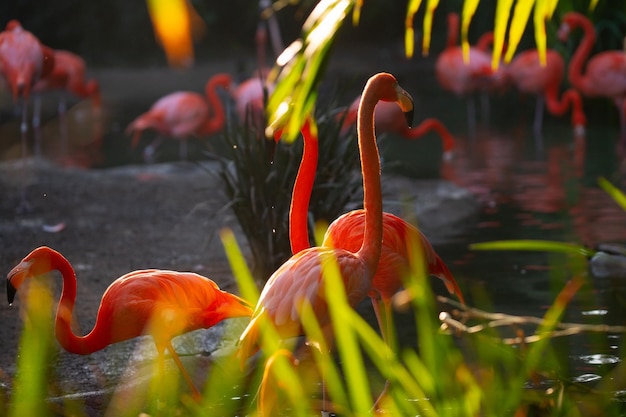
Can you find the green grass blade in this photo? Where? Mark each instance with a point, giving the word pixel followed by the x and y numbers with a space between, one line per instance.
pixel 613 191
pixel 533 245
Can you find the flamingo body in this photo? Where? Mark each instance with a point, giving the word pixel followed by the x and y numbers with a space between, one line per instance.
pixel 250 96
pixel 23 60
pixel 184 114
pixel 161 303
pixel 68 74
pixel 347 232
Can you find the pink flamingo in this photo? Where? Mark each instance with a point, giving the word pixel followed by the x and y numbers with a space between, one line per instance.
pixel 183 114
pixel 23 61
pixel 605 73
pixel 389 119
pixel 464 78
pixel 67 76
pixel 530 76
pixel 250 97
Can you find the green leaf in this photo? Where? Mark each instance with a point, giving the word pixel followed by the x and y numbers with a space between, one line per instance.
pixel 533 245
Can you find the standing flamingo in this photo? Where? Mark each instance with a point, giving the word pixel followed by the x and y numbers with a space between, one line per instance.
pixel 300 280
pixel 183 114
pixel 530 76
pixel 464 78
pixel 23 61
pixel 605 73
pixel 67 76
pixel 389 119
pixel 162 303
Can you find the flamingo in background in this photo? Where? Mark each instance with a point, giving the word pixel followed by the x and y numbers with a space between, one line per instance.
pixel 23 61
pixel 605 73
pixel 183 114
pixel 250 97
pixel 389 119
pixel 300 280
pixel 464 78
pixel 530 76
pixel 161 303
pixel 67 76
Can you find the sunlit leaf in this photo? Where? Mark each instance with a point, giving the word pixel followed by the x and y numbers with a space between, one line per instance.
pixel 174 23
pixel 245 281
pixel 409 32
pixel 613 191
pixel 431 5
pixel 540 16
pixel 347 343
pixel 469 8
pixel 533 245
pixel 300 68
pixel 503 10
pixel 518 25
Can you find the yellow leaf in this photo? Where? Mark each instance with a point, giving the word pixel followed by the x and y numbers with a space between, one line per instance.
pixel 409 33
pixel 518 24
pixel 428 25
pixel 469 8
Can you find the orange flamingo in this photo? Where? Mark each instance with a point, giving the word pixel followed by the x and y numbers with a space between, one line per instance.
pixel 464 78
pixel 605 73
pixel 157 302
pixel 389 119
pixel 183 114
pixel 300 279
pixel 530 76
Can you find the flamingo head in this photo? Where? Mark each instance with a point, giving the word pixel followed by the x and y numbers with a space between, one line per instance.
pixel 390 90
pixel 35 264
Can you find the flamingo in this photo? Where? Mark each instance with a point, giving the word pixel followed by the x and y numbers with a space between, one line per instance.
pixel 68 76
pixel 23 61
pixel 162 303
pixel 605 73
pixel 464 78
pixel 250 97
pixel 300 280
pixel 389 119
pixel 182 114
pixel 530 76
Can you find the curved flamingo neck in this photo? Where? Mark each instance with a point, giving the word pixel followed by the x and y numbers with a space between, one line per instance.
pixel 63 329
pixel 218 117
pixel 560 105
pixel 370 167
pixel 575 70
pixel 302 188
pixel 426 126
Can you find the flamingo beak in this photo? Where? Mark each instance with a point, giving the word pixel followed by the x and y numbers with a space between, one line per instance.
pixel 405 101
pixel 10 292
pixel 15 278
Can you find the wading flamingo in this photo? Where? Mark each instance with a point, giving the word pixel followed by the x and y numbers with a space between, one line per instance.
pixel 157 302
pixel 23 61
pixel 465 78
pixel 68 77
pixel 605 72
pixel 183 114
pixel 300 279
pixel 389 119
pixel 530 76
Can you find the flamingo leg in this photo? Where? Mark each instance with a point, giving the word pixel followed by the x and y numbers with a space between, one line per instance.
pixel 471 116
pixel 182 149
pixel 539 110
pixel 194 391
